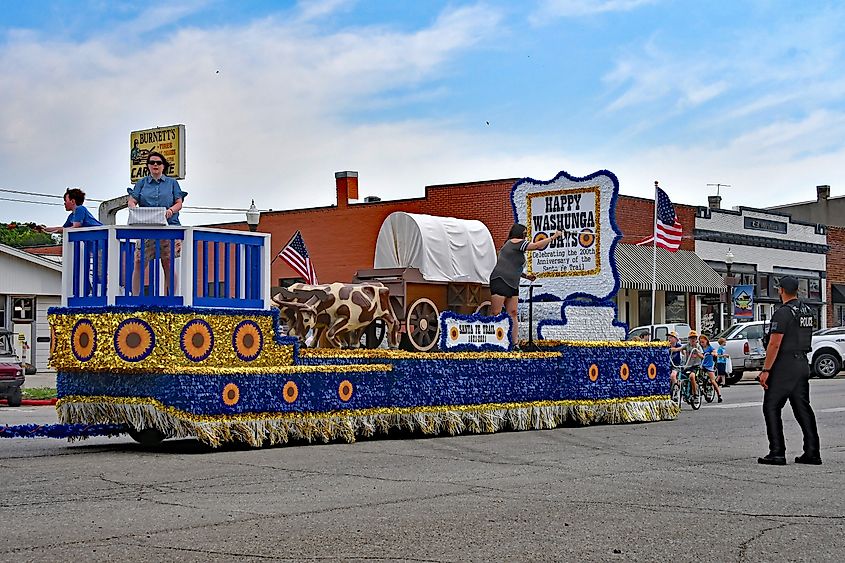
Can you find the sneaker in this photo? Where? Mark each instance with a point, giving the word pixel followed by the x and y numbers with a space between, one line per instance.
pixel 772 460
pixel 720 399
pixel 809 459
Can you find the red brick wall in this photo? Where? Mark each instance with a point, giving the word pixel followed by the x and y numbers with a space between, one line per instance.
pixel 342 239
pixel 835 265
pixel 635 217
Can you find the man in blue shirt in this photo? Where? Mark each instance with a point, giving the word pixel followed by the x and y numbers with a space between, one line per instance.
pixel 79 214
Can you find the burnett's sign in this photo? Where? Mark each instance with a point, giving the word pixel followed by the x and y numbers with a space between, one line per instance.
pixel 169 141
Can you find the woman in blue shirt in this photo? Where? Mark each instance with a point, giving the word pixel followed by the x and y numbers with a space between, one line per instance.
pixel 157 190
pixel 709 362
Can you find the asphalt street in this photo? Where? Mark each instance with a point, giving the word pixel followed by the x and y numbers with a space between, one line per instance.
pixel 683 490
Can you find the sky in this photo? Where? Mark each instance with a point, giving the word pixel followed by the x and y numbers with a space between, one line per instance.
pixel 277 96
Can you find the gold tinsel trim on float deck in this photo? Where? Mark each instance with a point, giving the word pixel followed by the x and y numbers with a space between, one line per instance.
pixel 257 429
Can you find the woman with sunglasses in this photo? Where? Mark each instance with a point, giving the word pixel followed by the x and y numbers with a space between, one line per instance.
pixel 157 190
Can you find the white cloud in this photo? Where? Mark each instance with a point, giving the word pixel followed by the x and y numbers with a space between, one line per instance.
pixel 553 9
pixel 265 107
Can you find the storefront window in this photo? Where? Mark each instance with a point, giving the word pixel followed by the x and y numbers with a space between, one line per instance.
pixel 803 288
pixel 676 307
pixel 644 311
pixel 814 290
pixel 763 286
pixel 839 315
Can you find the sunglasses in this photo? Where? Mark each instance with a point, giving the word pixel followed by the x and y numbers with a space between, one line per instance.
pixel 155 163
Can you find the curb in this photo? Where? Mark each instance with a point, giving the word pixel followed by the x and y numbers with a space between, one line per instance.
pixel 33 402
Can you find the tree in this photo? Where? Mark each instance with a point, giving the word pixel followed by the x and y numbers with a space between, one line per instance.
pixel 24 234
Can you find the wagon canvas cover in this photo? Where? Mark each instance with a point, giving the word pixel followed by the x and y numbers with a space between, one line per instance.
pixel 442 248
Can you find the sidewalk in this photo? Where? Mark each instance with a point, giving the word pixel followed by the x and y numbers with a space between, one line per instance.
pixel 40 379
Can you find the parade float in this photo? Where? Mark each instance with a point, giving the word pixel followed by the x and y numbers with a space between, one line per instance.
pixel 213 356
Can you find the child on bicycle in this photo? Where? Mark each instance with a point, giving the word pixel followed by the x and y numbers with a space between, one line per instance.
pixel 708 362
pixel 692 351
pixel 675 360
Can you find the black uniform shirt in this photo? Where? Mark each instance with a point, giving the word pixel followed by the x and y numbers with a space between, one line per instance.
pixel 784 322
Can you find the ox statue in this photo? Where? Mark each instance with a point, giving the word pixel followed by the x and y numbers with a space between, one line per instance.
pixel 337 313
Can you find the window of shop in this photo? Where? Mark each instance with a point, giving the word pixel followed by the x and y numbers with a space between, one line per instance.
pixel 803 288
pixel 644 312
pixel 814 291
pixel 839 315
pixel 676 307
pixel 23 310
pixel 764 289
pixel 2 311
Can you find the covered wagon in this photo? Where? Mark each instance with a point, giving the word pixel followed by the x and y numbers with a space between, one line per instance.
pixel 430 264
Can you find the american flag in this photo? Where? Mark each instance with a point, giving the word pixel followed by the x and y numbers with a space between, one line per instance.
pixel 295 255
pixel 668 229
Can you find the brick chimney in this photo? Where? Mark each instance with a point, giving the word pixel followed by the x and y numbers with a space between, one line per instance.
pixel 714 201
pixel 347 187
pixel 823 192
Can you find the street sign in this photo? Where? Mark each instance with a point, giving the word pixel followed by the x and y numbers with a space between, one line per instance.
pixel 169 141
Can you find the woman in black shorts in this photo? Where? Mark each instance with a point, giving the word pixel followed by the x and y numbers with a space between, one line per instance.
pixel 504 280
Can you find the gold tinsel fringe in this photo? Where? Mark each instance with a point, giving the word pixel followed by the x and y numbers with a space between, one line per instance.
pixel 325 428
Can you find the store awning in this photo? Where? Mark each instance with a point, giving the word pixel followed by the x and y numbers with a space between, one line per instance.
pixel 837 292
pixel 680 271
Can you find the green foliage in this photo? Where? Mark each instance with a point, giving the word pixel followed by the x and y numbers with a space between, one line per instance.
pixel 24 234
pixel 39 393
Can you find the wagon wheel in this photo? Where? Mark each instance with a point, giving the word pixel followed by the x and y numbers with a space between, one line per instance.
pixel 373 334
pixel 422 325
pixel 483 309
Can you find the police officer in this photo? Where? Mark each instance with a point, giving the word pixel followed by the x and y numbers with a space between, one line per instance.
pixel 786 375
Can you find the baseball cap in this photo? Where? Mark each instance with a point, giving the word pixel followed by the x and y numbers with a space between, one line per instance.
pixel 692 333
pixel 673 333
pixel 789 284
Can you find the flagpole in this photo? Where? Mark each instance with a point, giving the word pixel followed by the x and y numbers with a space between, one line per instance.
pixel 285 246
pixel 654 264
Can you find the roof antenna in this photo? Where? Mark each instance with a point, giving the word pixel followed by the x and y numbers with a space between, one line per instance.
pixel 718 186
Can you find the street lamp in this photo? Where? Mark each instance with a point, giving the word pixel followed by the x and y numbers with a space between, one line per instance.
pixel 252 216
pixel 729 260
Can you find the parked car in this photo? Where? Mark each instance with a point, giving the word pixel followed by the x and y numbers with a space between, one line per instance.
pixel 11 371
pixel 661 332
pixel 744 344
pixel 826 357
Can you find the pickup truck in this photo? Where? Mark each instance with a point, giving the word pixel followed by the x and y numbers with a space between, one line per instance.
pixel 11 371
pixel 744 344
pixel 826 357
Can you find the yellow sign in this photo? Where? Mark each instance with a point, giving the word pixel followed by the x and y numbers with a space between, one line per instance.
pixel 169 141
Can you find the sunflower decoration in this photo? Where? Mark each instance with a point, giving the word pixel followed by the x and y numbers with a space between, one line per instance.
pixel 290 392
pixel 231 394
pixel 594 372
pixel 652 371
pixel 586 238
pixel 196 340
pixel 624 372
pixel 453 333
pixel 500 333
pixel 540 237
pixel 247 340
pixel 83 340
pixel 344 390
pixel 134 339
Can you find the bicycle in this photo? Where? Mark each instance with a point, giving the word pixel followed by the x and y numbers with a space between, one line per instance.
pixel 705 386
pixel 681 391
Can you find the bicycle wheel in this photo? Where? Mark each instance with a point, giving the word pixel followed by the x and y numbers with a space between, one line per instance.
pixel 695 400
pixel 709 390
pixel 675 393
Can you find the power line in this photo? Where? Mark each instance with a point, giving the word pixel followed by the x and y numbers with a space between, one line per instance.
pixel 191 207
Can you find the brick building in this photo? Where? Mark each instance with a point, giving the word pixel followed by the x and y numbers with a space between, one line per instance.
pixel 341 240
pixel 836 276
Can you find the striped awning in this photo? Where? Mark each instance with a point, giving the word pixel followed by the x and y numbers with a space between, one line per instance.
pixel 680 271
